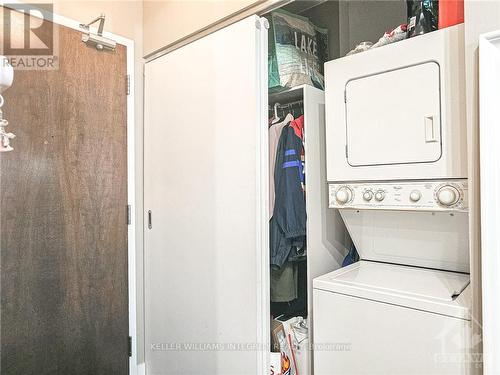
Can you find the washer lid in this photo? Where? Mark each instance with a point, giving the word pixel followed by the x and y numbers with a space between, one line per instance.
pixel 418 288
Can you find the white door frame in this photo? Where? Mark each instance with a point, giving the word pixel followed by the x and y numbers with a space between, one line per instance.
pixel 132 294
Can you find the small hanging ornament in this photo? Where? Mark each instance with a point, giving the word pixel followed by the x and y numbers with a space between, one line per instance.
pixel 4 136
pixel 6 78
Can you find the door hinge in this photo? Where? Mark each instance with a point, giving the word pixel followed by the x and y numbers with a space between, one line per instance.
pixel 345 96
pixel 129 214
pixel 130 346
pixel 347 157
pixel 128 84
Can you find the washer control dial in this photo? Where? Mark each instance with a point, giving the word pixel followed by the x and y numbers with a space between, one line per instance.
pixel 415 195
pixel 379 195
pixel 448 195
pixel 343 195
pixel 368 195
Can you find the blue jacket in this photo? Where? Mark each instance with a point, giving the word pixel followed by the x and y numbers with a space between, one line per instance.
pixel 288 224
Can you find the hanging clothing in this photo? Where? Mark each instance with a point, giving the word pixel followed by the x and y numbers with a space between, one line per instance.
pixel 284 248
pixel 288 224
pixel 298 127
pixel 290 205
pixel 288 217
pixel 284 283
pixel 274 137
pixel 296 306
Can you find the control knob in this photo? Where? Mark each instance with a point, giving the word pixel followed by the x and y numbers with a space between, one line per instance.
pixel 380 195
pixel 415 195
pixel 448 195
pixel 343 195
pixel 368 195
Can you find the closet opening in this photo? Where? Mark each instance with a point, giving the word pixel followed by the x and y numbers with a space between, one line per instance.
pixel 308 239
pixel 287 211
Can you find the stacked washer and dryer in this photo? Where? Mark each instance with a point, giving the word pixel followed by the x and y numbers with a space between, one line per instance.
pixel 397 172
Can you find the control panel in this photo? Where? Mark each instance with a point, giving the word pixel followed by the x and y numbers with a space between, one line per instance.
pixel 435 195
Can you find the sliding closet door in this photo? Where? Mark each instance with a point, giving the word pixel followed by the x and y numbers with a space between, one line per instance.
pixel 63 190
pixel 203 197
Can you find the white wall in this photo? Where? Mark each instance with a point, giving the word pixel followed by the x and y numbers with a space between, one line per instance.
pixel 480 17
pixel 166 21
pixel 362 21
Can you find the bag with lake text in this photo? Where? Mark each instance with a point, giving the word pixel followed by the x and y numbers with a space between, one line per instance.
pixel 297 51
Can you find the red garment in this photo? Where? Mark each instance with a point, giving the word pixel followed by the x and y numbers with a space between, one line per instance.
pixel 298 127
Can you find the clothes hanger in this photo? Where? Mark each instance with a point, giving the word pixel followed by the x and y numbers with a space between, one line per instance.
pixel 276 117
pixel 289 117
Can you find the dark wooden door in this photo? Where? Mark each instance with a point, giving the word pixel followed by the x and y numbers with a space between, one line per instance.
pixel 63 190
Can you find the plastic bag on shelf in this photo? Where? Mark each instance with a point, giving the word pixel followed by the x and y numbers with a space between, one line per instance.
pixel 361 47
pixel 396 35
pixel 297 51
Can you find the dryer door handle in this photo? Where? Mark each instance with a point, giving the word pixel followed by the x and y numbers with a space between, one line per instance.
pixel 430 129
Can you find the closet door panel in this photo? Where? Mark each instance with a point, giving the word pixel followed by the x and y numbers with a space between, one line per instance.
pixel 202 198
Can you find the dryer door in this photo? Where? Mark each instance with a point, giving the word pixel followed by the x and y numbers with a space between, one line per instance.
pixel 394 117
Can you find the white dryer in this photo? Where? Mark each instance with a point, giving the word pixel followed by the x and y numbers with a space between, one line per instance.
pixel 404 308
pixel 398 111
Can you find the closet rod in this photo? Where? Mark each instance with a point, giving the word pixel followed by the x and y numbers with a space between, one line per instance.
pixel 288 105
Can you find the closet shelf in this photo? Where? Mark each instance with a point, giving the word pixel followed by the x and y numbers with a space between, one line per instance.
pixel 287 96
pixel 300 7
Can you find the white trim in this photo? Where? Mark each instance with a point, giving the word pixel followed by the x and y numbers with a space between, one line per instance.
pixel 132 263
pixel 263 282
pixel 132 294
